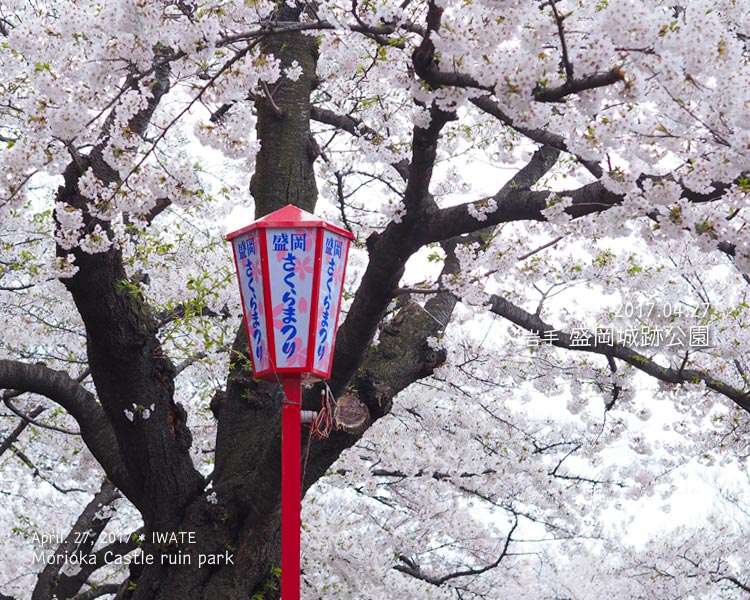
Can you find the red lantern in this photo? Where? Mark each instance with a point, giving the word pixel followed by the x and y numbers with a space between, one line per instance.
pixel 291 269
pixel 291 266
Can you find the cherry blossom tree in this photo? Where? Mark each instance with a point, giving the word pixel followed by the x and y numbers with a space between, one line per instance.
pixel 545 311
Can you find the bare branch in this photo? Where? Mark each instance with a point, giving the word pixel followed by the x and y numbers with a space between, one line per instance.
pixel 540 136
pixel 276 110
pixel 531 253
pixel 737 582
pixel 87 522
pixel 67 585
pixel 575 86
pixel 30 419
pixel 436 475
pixel 375 33
pixel 515 201
pixel 579 478
pixel 16 433
pixel 192 308
pixel 96 429
pixel 351 125
pixel 563 44
pixel 412 568
pixel 16 288
pixel 389 252
pixel 37 472
pixel 425 65
pixel 403 342
pixel 356 128
pixel 531 322
pixel 144 116
pixel 98 591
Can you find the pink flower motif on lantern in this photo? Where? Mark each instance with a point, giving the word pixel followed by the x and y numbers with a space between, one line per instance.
pixel 291 247
pixel 305 267
pixel 281 313
pixel 302 306
pixel 299 358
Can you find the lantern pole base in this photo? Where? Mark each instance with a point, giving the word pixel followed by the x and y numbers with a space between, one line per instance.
pixel 291 487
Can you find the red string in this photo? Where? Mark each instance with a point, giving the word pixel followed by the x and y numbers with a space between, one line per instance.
pixel 322 426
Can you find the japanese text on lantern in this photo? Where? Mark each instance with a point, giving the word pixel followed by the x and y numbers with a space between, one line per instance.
pixel 329 296
pixel 251 277
pixel 293 251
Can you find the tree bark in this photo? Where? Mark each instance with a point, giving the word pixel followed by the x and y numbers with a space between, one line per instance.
pixel 238 526
pixel 225 542
pixel 243 526
pixel 283 169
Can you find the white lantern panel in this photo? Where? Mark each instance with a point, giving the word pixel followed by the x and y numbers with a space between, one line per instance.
pixel 247 254
pixel 291 266
pixel 333 264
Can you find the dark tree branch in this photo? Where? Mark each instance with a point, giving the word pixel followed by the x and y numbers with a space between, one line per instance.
pixel 38 473
pixel 194 308
pixel 576 86
pixel 616 388
pixel 412 568
pixel 87 527
pixel 427 68
pixel 540 136
pixel 436 475
pixel 515 201
pixel 402 356
pixel 161 205
pixel 137 124
pixel 736 582
pixel 28 418
pixel 375 33
pixel 563 44
pixel 390 250
pixel 70 584
pixel 437 79
pixel 531 322
pixel 96 431
pixel 281 27
pixel 127 363
pixel 19 429
pixel 579 478
pixel 356 128
pixel 98 591
pixel 516 512
pixel 16 288
pixel 417 198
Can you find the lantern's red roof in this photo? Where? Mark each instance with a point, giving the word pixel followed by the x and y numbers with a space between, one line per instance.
pixel 290 216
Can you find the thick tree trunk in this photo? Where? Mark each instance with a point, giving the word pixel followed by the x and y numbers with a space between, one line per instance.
pixel 224 542
pixel 283 170
pixel 241 531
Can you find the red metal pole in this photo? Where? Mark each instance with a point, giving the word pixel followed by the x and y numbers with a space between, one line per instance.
pixel 291 487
